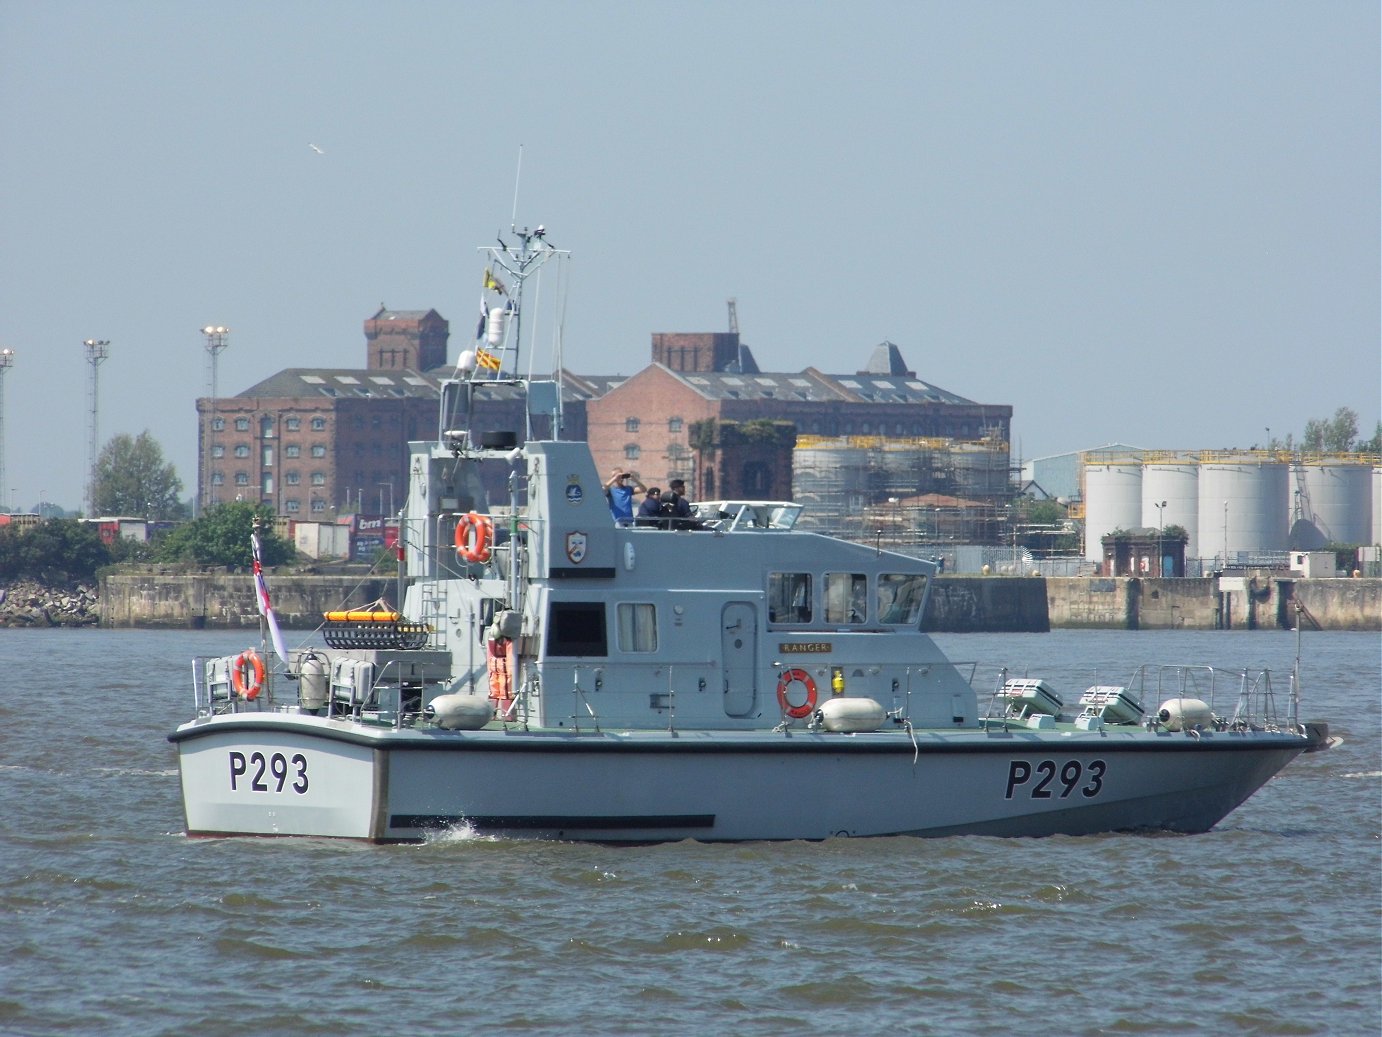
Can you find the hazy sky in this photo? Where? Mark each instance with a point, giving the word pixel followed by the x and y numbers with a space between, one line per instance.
pixel 1152 223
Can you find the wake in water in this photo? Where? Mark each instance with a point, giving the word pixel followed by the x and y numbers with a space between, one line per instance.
pixel 461 833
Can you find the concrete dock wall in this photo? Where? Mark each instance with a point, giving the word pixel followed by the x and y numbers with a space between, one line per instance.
pixel 1249 602
pixel 225 600
pixel 958 604
pixel 970 605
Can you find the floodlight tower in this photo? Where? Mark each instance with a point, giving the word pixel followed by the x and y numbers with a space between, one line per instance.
pixel 6 362
pixel 216 336
pixel 96 352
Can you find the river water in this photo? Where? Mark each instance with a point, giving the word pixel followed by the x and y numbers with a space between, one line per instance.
pixel 112 922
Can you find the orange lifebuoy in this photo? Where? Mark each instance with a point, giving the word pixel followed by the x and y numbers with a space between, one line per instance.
pixel 247 674
pixel 790 677
pixel 474 535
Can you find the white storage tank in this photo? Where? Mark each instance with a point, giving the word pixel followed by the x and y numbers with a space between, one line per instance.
pixel 1178 484
pixel 1376 506
pixel 1243 506
pixel 1340 500
pixel 1112 500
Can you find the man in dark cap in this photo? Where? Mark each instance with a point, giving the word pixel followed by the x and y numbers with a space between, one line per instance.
pixel 675 504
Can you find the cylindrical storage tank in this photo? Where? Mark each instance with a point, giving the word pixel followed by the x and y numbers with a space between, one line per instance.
pixel 1112 500
pixel 1376 506
pixel 1340 499
pixel 1242 508
pixel 900 470
pixel 832 482
pixel 980 470
pixel 1178 484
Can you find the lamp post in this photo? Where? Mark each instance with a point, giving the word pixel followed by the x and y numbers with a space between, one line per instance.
pixel 1225 534
pixel 1160 533
pixel 215 335
pixel 6 362
pixel 96 352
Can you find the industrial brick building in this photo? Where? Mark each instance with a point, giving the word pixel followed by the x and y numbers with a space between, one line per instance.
pixel 702 412
pixel 316 443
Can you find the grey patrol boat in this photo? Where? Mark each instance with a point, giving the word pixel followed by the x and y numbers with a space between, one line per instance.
pixel 556 674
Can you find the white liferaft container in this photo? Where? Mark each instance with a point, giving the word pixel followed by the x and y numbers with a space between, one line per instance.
pixel 1027 695
pixel 1113 703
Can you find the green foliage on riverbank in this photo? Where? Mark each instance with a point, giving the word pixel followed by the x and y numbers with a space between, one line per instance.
pixel 73 549
pixel 221 536
pixel 66 547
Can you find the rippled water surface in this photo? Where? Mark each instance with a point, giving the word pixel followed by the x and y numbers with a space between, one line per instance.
pixel 115 923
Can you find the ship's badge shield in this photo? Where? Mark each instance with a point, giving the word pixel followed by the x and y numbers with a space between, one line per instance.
pixel 575 546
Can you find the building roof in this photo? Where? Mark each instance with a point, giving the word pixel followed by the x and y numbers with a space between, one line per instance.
pixel 887 359
pixel 873 388
pixel 384 313
pixel 345 383
pixel 814 386
pixel 372 383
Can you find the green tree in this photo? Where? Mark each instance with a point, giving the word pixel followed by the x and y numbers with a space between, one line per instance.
pixel 221 536
pixel 1334 435
pixel 57 546
pixel 131 478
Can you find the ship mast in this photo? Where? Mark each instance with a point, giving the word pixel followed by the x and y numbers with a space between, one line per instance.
pixel 506 311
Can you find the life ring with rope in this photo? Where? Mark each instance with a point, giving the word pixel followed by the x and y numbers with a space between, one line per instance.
pixel 474 537
pixel 247 674
pixel 796 676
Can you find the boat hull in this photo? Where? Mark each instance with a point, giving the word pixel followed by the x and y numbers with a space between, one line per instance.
pixel 281 774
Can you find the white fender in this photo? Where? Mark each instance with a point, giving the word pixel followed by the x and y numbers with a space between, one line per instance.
pixel 460 711
pixel 1185 714
pixel 840 713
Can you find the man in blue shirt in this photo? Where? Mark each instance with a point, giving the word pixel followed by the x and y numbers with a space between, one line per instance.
pixel 620 492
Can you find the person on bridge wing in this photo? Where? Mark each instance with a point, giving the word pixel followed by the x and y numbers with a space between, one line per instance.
pixel 620 494
pixel 677 507
pixel 652 512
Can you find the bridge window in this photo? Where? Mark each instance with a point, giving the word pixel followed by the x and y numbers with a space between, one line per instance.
pixel 789 597
pixel 637 627
pixel 846 597
pixel 577 628
pixel 900 597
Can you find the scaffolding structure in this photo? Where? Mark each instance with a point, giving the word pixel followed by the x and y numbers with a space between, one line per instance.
pixel 910 491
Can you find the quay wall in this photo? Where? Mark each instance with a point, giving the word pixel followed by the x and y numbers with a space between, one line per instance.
pixel 226 600
pixel 990 604
pixel 958 604
pixel 1250 602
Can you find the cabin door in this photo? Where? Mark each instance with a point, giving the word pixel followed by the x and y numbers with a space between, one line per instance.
pixel 738 649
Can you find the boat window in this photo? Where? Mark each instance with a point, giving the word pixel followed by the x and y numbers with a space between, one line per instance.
pixel 789 597
pixel 846 597
pixel 577 628
pixel 900 597
pixel 637 627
